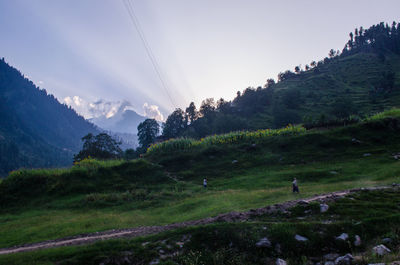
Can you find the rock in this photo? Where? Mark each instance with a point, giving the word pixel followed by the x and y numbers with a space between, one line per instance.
pixel 280 262
pixel 263 243
pixel 381 250
pixel 343 237
pixel 300 238
pixel 155 261
pixel 395 262
pixel 386 240
pixel 323 207
pixel 357 240
pixel 329 263
pixel 344 260
pixel 376 263
pixel 234 161
pixel 366 154
pixel 331 256
pixel 304 203
pixel 333 172
pixel 356 141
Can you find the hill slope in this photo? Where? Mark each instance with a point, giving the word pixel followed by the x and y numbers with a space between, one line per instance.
pixel 35 129
pixel 361 80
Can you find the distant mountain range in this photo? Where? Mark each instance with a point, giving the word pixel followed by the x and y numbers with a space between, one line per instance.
pixel 123 121
pixel 36 130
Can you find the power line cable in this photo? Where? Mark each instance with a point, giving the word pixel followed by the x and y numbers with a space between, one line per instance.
pixel 135 21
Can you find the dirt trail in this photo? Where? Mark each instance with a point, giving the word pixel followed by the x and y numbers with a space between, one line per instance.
pixel 147 230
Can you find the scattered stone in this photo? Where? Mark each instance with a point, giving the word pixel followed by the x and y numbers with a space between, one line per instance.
pixel 300 238
pixel 145 243
pixel 397 262
pixel 263 243
pixel 343 237
pixel 386 240
pixel 329 263
pixel 396 156
pixel 381 250
pixel 331 256
pixel 155 261
pixel 234 161
pixel 308 212
pixel 280 262
pixel 344 260
pixel 161 251
pixel 333 172
pixel 356 141
pixel 264 228
pixel 367 154
pixel 376 263
pixel 357 240
pixel 323 207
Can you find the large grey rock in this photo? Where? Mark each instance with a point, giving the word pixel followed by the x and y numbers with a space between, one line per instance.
pixel 381 250
pixel 280 262
pixel 300 238
pixel 343 237
pixel 331 256
pixel 323 207
pixel 344 260
pixel 263 243
pixel 357 241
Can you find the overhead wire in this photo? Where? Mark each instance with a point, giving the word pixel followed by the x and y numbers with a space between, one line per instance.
pixel 135 21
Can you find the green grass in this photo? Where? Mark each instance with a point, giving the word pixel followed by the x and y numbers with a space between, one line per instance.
pixel 165 188
pixel 234 243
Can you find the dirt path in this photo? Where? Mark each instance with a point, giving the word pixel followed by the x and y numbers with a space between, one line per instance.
pixel 147 230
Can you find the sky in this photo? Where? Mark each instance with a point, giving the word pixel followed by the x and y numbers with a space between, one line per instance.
pixel 89 54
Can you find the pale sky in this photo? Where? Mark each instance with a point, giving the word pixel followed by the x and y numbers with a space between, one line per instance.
pixel 204 48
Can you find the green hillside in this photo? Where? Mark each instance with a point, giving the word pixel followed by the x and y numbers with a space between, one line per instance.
pixel 166 187
pixel 362 79
pixel 36 130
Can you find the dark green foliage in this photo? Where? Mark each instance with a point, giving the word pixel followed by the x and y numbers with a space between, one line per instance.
pixel 101 146
pixel 147 132
pixel 130 154
pixel 177 122
pixel 85 177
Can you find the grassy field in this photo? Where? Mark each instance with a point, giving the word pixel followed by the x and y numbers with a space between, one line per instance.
pixel 166 187
pixel 234 243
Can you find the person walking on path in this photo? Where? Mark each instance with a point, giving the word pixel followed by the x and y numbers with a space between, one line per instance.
pixel 205 182
pixel 295 186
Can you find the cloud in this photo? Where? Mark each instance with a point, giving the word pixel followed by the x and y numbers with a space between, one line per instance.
pixel 152 111
pixel 97 108
pixel 108 109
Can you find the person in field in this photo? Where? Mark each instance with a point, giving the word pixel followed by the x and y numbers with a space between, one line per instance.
pixel 295 186
pixel 205 182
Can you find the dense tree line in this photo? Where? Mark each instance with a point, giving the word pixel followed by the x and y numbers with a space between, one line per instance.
pixel 282 106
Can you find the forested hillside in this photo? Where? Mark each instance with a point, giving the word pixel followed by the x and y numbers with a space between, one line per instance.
pixel 362 79
pixel 35 129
